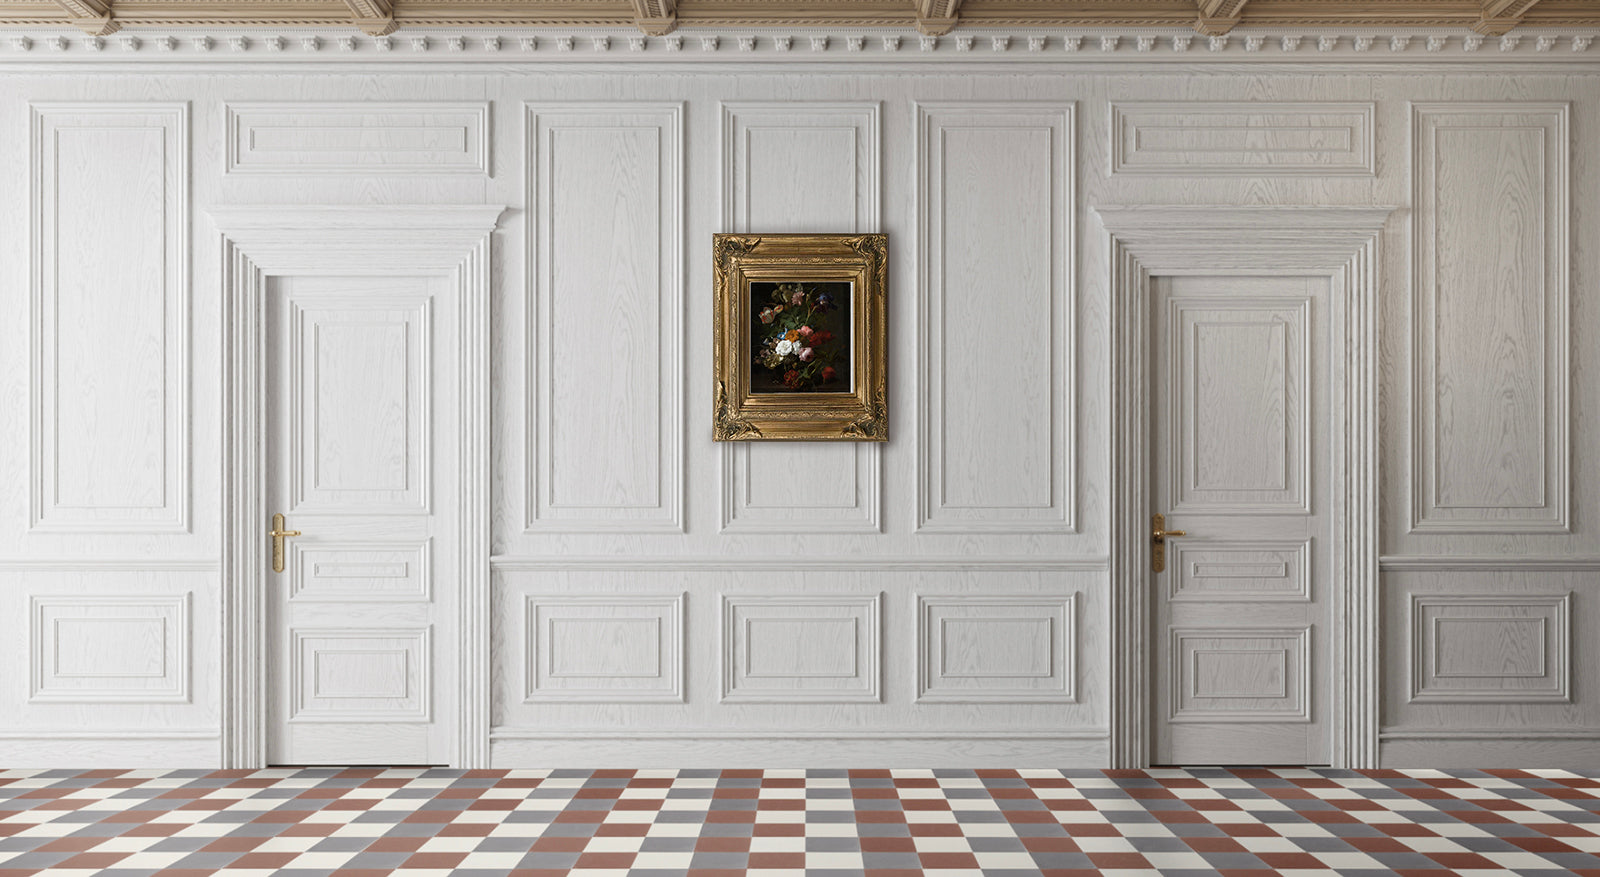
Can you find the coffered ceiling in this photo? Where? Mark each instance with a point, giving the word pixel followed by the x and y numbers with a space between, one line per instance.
pixel 1210 17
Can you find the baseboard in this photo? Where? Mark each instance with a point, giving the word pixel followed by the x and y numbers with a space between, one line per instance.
pixel 110 749
pixel 514 748
pixel 1510 750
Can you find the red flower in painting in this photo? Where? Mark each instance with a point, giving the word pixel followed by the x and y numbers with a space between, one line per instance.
pixel 829 374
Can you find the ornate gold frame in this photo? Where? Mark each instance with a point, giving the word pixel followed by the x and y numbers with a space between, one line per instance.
pixel 861 414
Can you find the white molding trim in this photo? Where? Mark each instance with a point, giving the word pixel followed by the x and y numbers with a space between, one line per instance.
pixel 1375 49
pixel 1449 563
pixel 1487 734
pixel 809 563
pixel 46 735
pixel 1340 243
pixel 260 241
pixel 866 647
pixel 514 733
pixel 108 565
pixel 243 118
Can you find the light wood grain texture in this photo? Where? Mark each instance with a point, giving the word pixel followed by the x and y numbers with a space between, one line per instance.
pixel 1194 138
pixel 801 648
pixel 338 139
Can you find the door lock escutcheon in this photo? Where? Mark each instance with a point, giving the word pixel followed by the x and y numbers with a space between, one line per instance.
pixel 278 534
pixel 1158 542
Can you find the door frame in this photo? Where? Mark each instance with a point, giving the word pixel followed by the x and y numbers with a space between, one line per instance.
pixel 261 242
pixel 1341 244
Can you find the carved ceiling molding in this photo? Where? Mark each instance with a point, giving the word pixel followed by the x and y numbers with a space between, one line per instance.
pixel 812 47
pixel 657 18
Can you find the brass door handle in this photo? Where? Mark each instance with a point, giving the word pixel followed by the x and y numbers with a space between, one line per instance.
pixel 278 534
pixel 1158 542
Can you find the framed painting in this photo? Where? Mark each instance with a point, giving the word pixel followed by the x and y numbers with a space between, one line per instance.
pixel 800 334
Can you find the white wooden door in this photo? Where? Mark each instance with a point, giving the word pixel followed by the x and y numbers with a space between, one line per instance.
pixel 361 461
pixel 1240 450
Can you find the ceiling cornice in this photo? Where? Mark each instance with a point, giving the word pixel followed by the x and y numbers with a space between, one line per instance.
pixel 929 17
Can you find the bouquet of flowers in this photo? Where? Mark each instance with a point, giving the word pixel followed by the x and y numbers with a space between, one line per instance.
pixel 795 349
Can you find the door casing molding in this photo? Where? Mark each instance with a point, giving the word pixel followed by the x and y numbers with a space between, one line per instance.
pixel 1340 243
pixel 259 242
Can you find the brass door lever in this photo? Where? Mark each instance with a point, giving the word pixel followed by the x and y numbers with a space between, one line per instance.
pixel 1158 542
pixel 278 534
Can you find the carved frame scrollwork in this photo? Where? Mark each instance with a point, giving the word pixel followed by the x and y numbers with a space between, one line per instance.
pixel 860 413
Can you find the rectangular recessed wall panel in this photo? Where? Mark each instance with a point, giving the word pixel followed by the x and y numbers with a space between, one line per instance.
pixel 799 166
pixel 995 448
pixel 1490 419
pixel 110 649
pixel 1491 649
pixel 109 411
pixel 977 648
pixel 359 572
pixel 821 648
pixel 622 648
pixel 605 368
pixel 1228 571
pixel 1312 139
pixel 319 139
pixel 1240 675
pixel 370 674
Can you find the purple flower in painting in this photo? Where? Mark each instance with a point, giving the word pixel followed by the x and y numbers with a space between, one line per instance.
pixel 824 301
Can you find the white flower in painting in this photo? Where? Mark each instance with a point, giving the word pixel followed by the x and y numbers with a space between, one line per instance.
pixel 784 348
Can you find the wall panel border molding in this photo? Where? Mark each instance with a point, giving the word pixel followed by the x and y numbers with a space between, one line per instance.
pixel 1010 157
pixel 1029 655
pixel 327 138
pixel 1340 243
pixel 810 563
pixel 612 626
pixel 1514 648
pixel 1490 435
pixel 98 168
pixel 128 648
pixel 815 648
pixel 1245 138
pixel 586 166
pixel 853 169
pixel 257 242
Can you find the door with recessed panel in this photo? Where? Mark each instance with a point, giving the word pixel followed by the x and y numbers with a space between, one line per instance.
pixel 361 461
pixel 1239 552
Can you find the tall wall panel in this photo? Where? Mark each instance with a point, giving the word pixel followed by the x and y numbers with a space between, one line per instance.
pixel 606 318
pixel 110 310
pixel 1490 350
pixel 996 394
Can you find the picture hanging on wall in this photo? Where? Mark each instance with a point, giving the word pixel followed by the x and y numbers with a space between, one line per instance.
pixel 800 337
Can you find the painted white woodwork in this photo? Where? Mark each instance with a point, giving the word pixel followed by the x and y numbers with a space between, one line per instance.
pixel 611 648
pixel 110 335
pixel 356 450
pixel 1240 383
pixel 394 263
pixel 1491 340
pixel 351 572
pixel 978 648
pixel 605 308
pixel 793 166
pixel 1334 253
pixel 1243 570
pixel 1255 138
pixel 794 648
pixel 996 389
pixel 107 649
pixel 341 139
pixel 1490 649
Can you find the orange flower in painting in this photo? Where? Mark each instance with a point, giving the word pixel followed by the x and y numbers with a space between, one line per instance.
pixel 791 335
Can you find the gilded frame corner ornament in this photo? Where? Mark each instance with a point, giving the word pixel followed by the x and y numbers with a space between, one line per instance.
pixel 859 412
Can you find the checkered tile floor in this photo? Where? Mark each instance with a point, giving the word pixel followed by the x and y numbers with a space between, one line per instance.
pixel 1005 823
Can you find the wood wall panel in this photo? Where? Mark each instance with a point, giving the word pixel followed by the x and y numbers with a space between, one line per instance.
pixel 612 648
pixel 1474 648
pixel 109 648
pixel 606 310
pixel 110 441
pixel 995 390
pixel 801 648
pixel 976 648
pixel 1491 345
pixel 1258 138
pixel 792 166
pixel 325 138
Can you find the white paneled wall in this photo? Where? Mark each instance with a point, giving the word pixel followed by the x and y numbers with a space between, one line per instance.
pixel 658 599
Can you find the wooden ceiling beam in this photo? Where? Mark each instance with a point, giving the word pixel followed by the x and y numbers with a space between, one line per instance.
pixel 93 17
pixel 373 17
pixel 937 17
pixel 1500 16
pixel 655 17
pixel 1217 17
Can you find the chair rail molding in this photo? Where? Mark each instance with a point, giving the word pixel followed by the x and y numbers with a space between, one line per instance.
pixel 1340 243
pixel 257 242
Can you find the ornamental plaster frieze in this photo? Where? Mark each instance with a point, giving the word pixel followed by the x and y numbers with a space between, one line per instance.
pixel 807 47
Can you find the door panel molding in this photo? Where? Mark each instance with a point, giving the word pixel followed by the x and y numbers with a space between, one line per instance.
pixel 1340 243
pixel 258 242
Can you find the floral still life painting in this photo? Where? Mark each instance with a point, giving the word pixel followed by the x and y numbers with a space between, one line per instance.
pixel 800 335
pixel 804 338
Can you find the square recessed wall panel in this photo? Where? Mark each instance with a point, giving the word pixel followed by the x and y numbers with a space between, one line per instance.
pixel 1490 648
pixel 621 648
pixel 93 649
pixel 800 649
pixel 974 648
